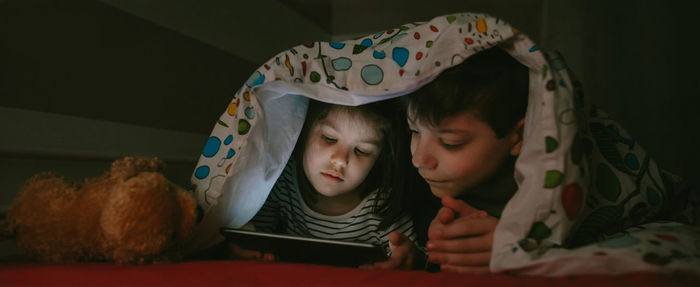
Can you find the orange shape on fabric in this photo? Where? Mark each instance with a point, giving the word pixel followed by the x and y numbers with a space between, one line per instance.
pixel 481 26
pixel 666 237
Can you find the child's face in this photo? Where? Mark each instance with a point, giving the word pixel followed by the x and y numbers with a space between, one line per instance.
pixel 458 154
pixel 340 152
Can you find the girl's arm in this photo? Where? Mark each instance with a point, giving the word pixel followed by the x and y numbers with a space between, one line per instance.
pixel 267 219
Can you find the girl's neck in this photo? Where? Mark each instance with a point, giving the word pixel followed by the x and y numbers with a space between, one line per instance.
pixel 332 206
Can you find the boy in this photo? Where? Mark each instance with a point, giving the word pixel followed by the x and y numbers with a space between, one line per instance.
pixel 466 134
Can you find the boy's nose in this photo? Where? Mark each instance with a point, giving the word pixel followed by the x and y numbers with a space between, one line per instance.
pixel 422 156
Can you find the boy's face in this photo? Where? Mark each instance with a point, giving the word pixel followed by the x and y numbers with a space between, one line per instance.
pixel 459 153
pixel 340 152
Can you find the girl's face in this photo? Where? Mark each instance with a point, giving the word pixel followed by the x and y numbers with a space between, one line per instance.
pixel 340 152
pixel 458 154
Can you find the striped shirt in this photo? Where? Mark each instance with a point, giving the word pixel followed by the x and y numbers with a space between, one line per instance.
pixel 286 212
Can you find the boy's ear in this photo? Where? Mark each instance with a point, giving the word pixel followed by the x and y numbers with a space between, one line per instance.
pixel 517 138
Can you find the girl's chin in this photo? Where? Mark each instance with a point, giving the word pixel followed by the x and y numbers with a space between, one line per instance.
pixel 440 192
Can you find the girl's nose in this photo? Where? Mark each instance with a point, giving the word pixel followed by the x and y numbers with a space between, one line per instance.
pixel 339 159
pixel 422 157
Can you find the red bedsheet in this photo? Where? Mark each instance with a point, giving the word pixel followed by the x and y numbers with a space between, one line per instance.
pixel 246 273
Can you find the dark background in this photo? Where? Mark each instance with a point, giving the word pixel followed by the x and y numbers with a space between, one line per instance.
pixel 83 82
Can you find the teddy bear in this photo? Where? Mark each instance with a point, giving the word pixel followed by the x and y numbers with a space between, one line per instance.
pixel 131 214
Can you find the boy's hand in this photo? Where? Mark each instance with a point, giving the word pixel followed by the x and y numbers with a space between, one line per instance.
pixel 460 238
pixel 403 254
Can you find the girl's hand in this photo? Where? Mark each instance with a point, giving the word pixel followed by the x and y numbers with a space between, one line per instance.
pixel 460 238
pixel 404 254
pixel 236 252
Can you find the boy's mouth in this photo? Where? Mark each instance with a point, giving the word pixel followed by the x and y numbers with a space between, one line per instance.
pixel 332 177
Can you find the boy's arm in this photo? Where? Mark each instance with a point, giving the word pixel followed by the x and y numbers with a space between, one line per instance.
pixel 460 238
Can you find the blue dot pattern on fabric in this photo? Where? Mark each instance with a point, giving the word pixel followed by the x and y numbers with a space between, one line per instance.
pixel 341 64
pixel 255 79
pixel 212 147
pixel 228 139
pixel 379 54
pixel 372 74
pixel 201 172
pixel 249 113
pixel 336 45
pixel 400 56
pixel 631 161
pixel 230 153
pixel 366 43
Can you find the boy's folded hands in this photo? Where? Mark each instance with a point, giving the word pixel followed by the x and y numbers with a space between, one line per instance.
pixel 460 238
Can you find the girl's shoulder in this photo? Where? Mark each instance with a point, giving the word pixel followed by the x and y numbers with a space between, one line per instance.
pixel 287 183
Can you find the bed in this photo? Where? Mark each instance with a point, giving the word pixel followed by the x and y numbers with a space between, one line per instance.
pixel 241 273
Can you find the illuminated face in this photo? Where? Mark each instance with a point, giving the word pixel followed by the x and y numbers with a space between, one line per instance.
pixel 459 153
pixel 340 152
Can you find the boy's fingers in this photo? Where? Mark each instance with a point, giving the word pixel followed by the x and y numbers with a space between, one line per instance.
pixel 461 259
pixel 461 245
pixel 464 227
pixel 435 229
pixel 460 207
pixel 445 215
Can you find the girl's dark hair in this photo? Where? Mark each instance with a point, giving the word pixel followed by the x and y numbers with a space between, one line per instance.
pixel 386 173
pixel 491 83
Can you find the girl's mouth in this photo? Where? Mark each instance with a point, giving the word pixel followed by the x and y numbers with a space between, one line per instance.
pixel 332 177
pixel 431 181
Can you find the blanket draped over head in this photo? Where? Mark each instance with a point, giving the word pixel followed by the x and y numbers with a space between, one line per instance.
pixel 587 191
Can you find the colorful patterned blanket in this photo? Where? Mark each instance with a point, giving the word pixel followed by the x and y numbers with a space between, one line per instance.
pixel 589 198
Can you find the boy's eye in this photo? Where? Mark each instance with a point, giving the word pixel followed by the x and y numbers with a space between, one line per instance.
pixel 328 139
pixel 412 131
pixel 361 152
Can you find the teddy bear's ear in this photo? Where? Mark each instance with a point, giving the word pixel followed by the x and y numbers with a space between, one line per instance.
pixel 130 166
pixel 188 212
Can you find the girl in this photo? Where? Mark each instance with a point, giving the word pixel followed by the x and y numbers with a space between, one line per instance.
pixel 341 182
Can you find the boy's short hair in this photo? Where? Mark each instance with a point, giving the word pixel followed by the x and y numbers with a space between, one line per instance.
pixel 491 83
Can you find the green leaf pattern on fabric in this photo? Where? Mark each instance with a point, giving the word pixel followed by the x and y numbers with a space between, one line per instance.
pixel 552 178
pixel 539 231
pixel 607 183
pixel 551 144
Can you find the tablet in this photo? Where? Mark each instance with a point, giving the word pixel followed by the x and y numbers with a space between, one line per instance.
pixel 290 248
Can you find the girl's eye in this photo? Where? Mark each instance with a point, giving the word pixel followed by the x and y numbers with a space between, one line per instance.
pixel 328 139
pixel 451 146
pixel 361 152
